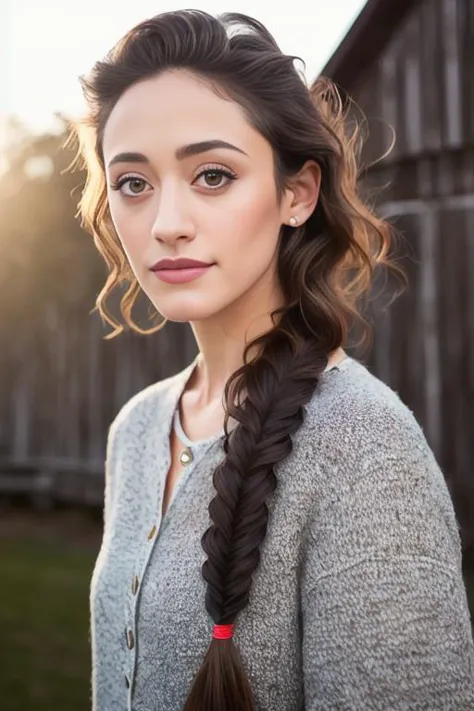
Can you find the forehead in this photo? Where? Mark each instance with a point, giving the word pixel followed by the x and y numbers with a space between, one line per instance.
pixel 173 109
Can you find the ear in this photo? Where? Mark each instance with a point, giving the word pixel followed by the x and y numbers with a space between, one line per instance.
pixel 302 193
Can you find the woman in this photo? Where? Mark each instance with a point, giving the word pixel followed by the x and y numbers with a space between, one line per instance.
pixel 277 532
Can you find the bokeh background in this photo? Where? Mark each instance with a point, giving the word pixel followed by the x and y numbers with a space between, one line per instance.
pixel 409 65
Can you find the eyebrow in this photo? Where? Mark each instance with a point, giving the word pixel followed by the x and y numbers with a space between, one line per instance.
pixel 192 149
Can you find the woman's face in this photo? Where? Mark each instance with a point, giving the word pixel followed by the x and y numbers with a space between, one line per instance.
pixel 178 198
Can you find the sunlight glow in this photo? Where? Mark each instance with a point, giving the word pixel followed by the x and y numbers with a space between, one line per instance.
pixel 51 43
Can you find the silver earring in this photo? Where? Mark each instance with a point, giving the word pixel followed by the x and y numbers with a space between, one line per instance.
pixel 293 221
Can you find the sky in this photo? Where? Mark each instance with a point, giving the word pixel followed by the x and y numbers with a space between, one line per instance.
pixel 45 46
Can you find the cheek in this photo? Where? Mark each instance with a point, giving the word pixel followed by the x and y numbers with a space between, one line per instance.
pixel 252 224
pixel 130 227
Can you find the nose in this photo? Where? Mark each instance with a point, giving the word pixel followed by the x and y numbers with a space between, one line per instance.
pixel 173 220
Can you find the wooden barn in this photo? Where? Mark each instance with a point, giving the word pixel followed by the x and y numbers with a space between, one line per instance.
pixel 409 66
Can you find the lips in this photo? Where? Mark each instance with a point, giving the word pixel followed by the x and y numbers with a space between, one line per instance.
pixel 179 263
pixel 173 275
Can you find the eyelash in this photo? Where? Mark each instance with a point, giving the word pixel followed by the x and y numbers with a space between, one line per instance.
pixel 230 175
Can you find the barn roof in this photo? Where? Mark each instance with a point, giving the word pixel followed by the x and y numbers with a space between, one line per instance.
pixel 366 39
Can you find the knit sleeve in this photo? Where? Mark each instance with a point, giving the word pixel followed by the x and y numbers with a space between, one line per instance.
pixel 109 467
pixel 385 618
pixel 120 430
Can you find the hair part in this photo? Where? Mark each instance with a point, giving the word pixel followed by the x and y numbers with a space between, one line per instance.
pixel 324 266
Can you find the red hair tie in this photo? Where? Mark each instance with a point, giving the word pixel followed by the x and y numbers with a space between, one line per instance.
pixel 223 631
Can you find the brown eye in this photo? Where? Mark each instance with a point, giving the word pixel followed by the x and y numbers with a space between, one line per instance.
pixel 131 186
pixel 136 185
pixel 213 178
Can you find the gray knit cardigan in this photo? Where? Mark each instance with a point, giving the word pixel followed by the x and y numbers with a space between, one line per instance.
pixel 358 602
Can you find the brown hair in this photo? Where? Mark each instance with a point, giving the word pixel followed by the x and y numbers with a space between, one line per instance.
pixel 324 266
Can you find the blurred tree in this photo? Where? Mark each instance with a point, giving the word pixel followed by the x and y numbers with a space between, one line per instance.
pixel 46 259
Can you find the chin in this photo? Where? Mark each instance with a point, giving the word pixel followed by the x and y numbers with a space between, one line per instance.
pixel 184 305
pixel 185 313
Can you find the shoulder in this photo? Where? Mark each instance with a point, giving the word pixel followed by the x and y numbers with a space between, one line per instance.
pixel 374 463
pixel 359 426
pixel 355 412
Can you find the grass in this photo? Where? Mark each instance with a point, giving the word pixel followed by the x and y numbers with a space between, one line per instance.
pixel 44 625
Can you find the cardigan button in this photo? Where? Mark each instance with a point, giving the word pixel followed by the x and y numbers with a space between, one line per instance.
pixel 130 639
pixel 127 682
pixel 135 585
pixel 152 533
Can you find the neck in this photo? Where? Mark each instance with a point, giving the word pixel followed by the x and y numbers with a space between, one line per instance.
pixel 222 339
